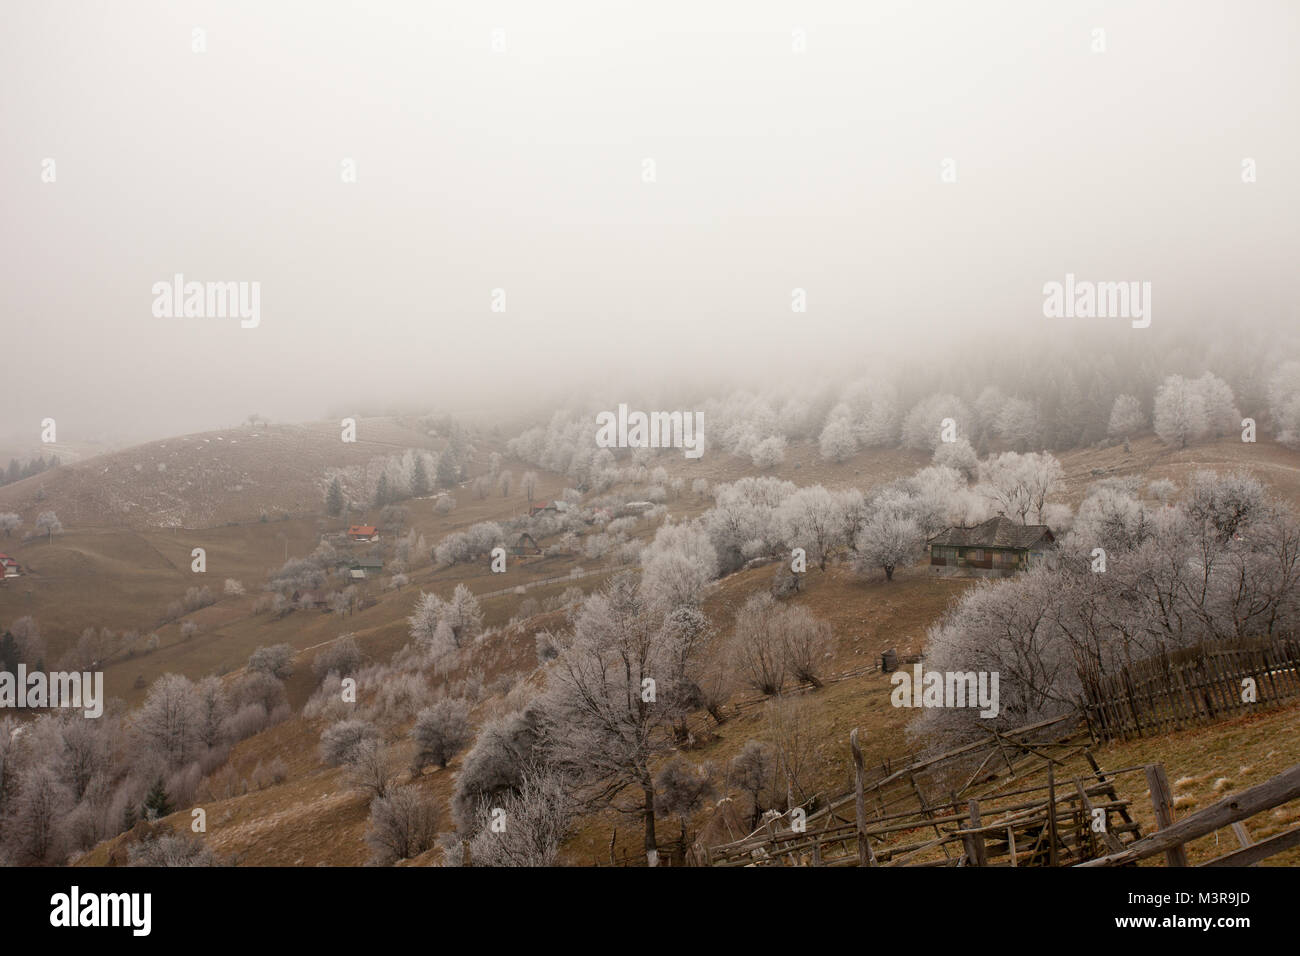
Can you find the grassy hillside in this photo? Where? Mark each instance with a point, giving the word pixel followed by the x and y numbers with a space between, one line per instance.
pixel 123 576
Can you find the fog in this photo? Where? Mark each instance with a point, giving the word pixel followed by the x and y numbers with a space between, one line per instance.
pixel 524 169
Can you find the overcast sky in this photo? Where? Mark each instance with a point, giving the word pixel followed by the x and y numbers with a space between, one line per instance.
pixel 523 169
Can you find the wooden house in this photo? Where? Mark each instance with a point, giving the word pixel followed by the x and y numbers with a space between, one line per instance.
pixel 525 544
pixel 996 548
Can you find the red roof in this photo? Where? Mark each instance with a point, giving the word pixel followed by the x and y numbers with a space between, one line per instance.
pixel 365 529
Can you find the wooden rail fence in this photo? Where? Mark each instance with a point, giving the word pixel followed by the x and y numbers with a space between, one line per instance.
pixel 1193 686
pixel 1172 838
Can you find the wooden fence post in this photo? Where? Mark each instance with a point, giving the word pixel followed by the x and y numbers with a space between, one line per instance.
pixel 1053 851
pixel 1162 801
pixel 975 852
pixel 865 856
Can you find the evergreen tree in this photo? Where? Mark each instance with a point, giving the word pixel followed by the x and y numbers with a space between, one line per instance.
pixel 419 479
pixel 334 499
pixel 448 469
pixel 382 494
pixel 9 654
pixel 156 804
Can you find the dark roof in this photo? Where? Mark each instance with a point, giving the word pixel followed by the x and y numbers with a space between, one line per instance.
pixel 367 563
pixel 999 532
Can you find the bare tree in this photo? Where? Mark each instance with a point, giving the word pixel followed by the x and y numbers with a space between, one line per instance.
pixel 403 824
pixel 758 645
pixel 276 660
pixel 606 721
pixel 440 732
pixel 527 827
pixel 752 772
pixel 168 724
pixel 32 830
pixel 341 742
pixel 171 849
pixel 684 789
pixel 341 656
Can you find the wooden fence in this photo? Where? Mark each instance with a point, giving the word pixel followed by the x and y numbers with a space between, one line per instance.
pixel 975 805
pixel 1192 686
pixel 1172 838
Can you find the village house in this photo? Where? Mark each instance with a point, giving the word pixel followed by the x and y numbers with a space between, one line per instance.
pixel 365 567
pixel 313 598
pixel 363 532
pixel 9 566
pixel 998 547
pixel 525 544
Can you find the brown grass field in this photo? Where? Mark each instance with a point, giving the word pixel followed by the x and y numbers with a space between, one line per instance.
pixel 125 554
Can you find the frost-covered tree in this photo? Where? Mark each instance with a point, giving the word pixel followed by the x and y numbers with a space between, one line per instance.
pixel 171 850
pixel 769 452
pixel 678 564
pixel 537 818
pixel 813 519
pixel 32 831
pixel 213 705
pixel 1017 422
pixel 341 657
pixel 923 426
pixel 441 731
pixel 429 609
pixel 958 455
pixel 47 523
pixel 888 541
pixel 1126 417
pixel 1284 403
pixel 609 725
pixel 758 645
pixel 276 660
pixel 838 440
pixel 1222 416
pixel 343 741
pixel 403 824
pixel 463 615
pixel 169 723
pixel 1180 415
pixel 1019 485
